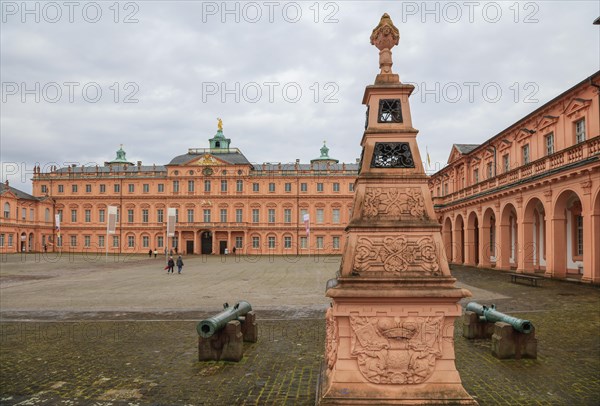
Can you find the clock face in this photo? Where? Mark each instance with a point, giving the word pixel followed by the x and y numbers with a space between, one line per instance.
pixel 207 171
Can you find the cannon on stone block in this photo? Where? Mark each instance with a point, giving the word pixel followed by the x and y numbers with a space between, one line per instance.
pixel 491 315
pixel 511 337
pixel 221 337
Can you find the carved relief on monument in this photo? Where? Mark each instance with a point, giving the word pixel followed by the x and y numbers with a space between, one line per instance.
pixel 398 256
pixel 331 339
pixel 393 203
pixel 396 350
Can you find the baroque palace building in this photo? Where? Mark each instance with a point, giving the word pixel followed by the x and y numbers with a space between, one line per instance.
pixel 221 200
pixel 528 199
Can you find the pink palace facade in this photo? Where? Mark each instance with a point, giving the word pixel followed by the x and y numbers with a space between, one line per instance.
pixel 221 199
pixel 528 198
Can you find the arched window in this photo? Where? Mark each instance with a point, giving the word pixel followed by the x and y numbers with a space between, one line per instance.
pixel 6 210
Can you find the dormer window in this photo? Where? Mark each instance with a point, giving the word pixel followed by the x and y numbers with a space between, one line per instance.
pixel 390 111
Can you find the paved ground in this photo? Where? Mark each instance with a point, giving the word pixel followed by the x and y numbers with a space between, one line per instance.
pixel 80 331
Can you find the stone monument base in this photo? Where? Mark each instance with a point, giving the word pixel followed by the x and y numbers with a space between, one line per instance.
pixel 392 346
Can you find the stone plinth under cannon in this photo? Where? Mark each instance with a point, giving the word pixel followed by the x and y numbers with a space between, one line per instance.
pixel 221 337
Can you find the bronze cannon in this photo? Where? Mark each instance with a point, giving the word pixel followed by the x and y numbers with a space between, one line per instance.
pixel 490 314
pixel 206 328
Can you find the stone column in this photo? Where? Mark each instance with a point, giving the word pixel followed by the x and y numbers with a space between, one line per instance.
pixel 389 332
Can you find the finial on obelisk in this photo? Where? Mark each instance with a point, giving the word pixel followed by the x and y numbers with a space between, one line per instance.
pixel 385 36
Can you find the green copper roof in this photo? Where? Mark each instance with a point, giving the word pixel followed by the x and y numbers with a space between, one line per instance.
pixel 324 155
pixel 120 159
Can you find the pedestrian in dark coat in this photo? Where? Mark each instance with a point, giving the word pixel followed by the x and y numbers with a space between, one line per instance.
pixel 170 265
pixel 179 264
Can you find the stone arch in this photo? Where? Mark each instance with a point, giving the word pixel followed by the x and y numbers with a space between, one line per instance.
pixel 447 237
pixel 507 255
pixel 595 246
pixel 472 240
pixel 567 235
pixel 534 235
pixel 489 241
pixel 458 253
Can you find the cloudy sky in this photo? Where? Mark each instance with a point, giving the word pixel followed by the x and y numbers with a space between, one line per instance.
pixel 78 79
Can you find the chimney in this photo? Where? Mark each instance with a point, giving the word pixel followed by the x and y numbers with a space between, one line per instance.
pixel 139 163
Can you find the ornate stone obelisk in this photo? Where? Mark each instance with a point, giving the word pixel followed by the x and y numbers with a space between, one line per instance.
pixel 390 328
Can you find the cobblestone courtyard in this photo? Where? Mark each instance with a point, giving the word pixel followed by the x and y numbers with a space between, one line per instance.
pixel 77 330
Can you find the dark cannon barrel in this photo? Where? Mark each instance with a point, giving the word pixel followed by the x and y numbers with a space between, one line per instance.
pixel 492 315
pixel 206 328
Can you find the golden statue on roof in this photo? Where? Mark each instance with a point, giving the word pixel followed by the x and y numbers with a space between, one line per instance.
pixel 220 124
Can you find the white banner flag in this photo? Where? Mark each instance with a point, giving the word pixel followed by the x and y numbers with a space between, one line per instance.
pixel 57 222
pixel 171 213
pixel 306 219
pixel 111 223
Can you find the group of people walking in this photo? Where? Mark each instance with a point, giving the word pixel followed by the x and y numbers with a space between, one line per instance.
pixel 171 265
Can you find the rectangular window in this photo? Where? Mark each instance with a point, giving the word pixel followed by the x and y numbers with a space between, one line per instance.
pixel 207 185
pixel 1 240
pixel 73 216
pixel 88 188
pixel 271 187
pixel 175 186
pixel 320 243
pixel 101 214
pixel 206 215
pixel 115 241
pixel 146 241
pixel 475 175
pixel 191 186
pixel 506 163
pixel 24 213
pixel 145 216
pixel 525 154
pixel 350 187
pixel 255 242
pixel 130 215
pixel 239 185
pixel 31 214
pixel 336 187
pixel 118 214
pixel 446 184
pixel 255 187
pixel 336 243
pixel 239 242
pixel 320 216
pixel 177 215
pixel 88 216
pixel 335 218
pixel 10 241
pixel 303 187
pixel 146 188
pixel 130 241
pixel 101 241
pixel 61 188
pixel 44 189
pixel 302 213
pixel 490 170
pixel 303 242
pixel 117 188
pixel 102 188
pixel 271 215
pixel 437 193
pixel 287 242
pixel 287 215
pixel 160 214
pixel 580 130
pixel 160 241
pixel 223 185
pixel 255 215
pixel 288 187
pixel 238 215
pixel 161 188
pixel 549 144
pixel 73 241
pixel 271 242
pixel 190 215
pixel 74 188
pixel 87 241
pixel 223 215
pixel 131 188
pixel 319 187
